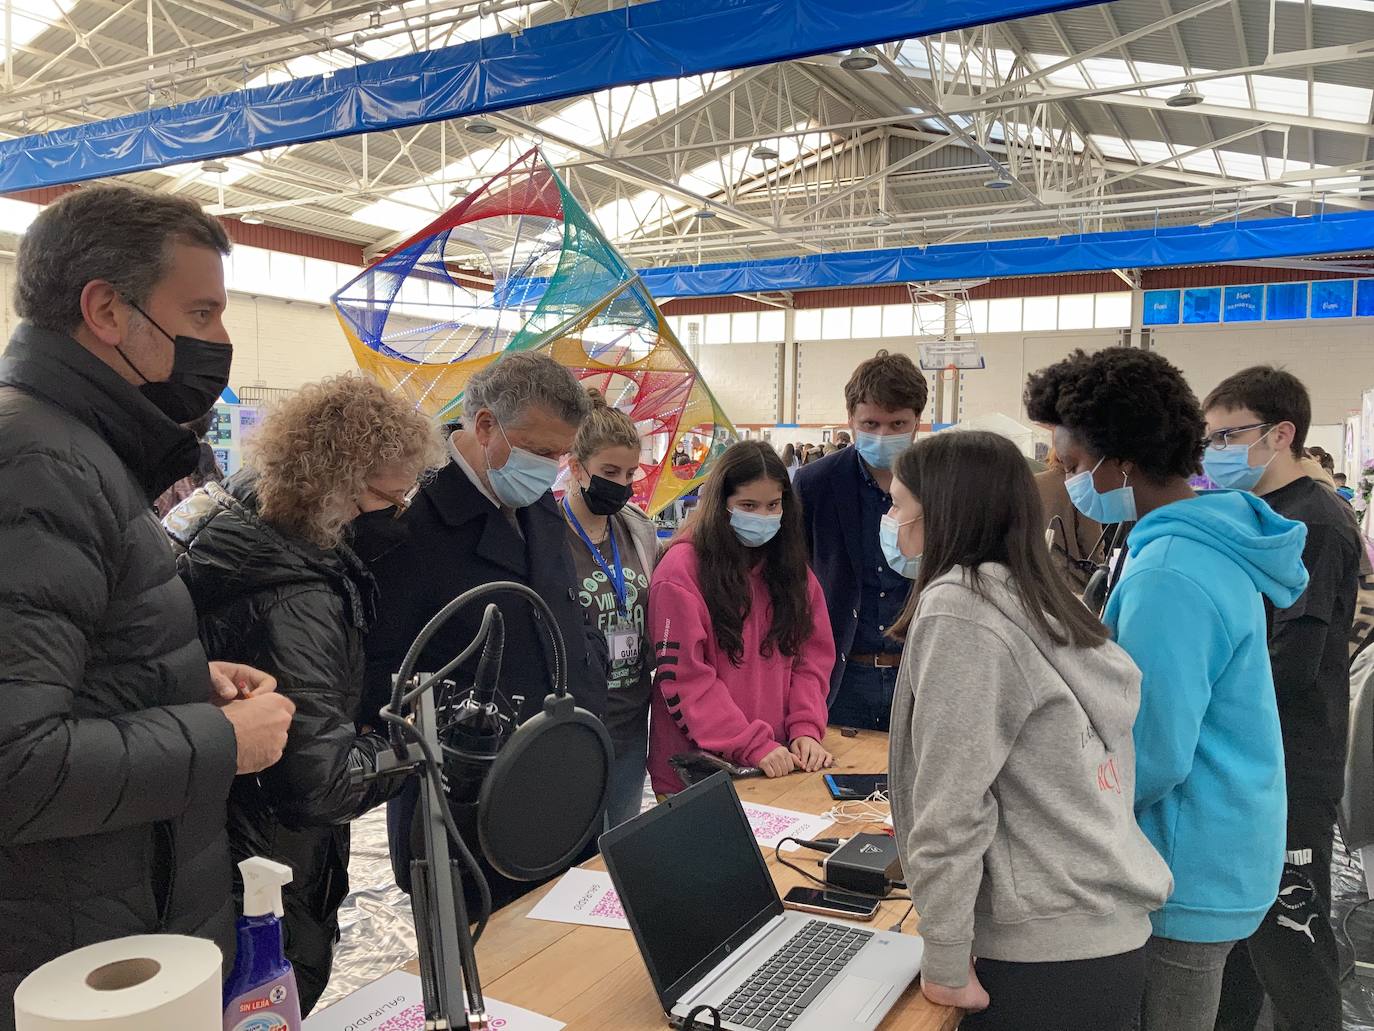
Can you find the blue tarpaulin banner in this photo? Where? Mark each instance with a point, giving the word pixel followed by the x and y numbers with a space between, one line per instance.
pixel 1244 303
pixel 1339 233
pixel 1161 308
pixel 1284 301
pixel 1333 298
pixel 665 39
pixel 1201 306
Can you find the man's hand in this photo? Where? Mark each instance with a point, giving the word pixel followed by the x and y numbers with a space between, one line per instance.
pixel 778 763
pixel 972 997
pixel 231 680
pixel 810 755
pixel 260 726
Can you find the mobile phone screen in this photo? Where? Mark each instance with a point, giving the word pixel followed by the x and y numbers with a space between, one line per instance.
pixel 854 785
pixel 838 902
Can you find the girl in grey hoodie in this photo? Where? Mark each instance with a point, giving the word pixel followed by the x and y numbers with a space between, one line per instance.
pixel 1012 768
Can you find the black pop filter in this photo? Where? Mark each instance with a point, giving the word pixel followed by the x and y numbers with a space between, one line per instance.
pixel 545 796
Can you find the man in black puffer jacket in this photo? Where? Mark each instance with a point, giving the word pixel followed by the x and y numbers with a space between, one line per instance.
pixel 118 742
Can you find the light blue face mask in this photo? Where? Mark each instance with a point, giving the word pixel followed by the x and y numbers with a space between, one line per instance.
pixel 888 530
pixel 1232 469
pixel 754 530
pixel 1113 506
pixel 880 450
pixel 524 479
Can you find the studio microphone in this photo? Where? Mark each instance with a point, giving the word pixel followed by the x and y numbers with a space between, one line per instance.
pixel 473 727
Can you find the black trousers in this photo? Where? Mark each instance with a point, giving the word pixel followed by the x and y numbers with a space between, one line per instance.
pixel 1292 957
pixel 1078 995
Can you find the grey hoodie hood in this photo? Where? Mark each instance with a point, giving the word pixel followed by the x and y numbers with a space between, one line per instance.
pixel 1083 670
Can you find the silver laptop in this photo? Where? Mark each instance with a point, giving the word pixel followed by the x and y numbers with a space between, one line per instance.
pixel 712 929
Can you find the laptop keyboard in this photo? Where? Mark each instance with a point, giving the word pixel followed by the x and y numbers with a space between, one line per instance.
pixel 782 988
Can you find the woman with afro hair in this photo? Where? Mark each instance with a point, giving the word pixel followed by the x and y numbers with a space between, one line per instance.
pixel 1189 609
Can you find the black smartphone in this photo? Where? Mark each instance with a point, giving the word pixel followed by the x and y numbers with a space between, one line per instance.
pixel 850 786
pixel 831 903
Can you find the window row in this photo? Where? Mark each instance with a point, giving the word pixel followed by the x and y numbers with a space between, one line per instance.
pixel 1003 315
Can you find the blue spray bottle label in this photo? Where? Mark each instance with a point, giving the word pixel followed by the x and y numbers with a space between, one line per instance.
pixel 260 994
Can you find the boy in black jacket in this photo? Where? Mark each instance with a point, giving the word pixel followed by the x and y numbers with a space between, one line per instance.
pixel 1257 423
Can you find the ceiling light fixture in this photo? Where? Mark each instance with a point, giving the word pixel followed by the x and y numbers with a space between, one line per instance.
pixel 214 168
pixel 858 61
pixel 251 218
pixel 703 213
pixel 459 192
pixel 1188 96
pixel 763 153
pixel 880 221
pixel 481 127
pixel 999 183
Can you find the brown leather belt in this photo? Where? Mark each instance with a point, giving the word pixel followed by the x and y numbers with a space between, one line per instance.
pixel 883 660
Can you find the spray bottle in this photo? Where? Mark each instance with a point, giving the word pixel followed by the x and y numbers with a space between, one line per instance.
pixel 260 994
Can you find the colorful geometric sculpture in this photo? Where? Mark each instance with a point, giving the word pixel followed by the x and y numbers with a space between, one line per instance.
pixel 517 266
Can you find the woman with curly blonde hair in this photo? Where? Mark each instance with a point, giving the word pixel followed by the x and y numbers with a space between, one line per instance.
pixel 267 561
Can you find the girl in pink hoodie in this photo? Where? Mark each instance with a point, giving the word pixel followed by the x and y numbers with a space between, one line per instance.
pixel 742 642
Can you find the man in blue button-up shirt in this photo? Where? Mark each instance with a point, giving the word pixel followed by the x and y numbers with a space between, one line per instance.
pixel 844 497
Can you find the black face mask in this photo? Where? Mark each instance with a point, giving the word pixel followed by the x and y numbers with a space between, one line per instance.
pixel 604 497
pixel 200 372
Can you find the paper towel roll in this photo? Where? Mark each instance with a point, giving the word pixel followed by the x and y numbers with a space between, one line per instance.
pixel 151 982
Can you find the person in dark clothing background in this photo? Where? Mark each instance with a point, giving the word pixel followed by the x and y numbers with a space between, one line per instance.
pixel 266 559
pixel 487 516
pixel 1076 538
pixel 118 741
pixel 1257 423
pixel 844 498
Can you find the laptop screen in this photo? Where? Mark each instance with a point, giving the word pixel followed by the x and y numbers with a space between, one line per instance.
pixel 691 879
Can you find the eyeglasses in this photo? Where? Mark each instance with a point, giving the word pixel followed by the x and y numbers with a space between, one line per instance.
pixel 1221 439
pixel 400 503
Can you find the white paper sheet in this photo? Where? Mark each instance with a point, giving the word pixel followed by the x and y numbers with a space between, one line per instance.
pixel 771 825
pixel 582 897
pixel 395 1003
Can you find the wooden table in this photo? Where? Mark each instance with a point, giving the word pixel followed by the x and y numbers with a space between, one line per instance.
pixel 593 977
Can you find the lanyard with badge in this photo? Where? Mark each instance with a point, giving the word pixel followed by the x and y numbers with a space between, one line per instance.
pixel 623 637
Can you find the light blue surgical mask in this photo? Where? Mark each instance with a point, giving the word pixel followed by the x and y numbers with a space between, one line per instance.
pixel 881 450
pixel 524 479
pixel 1113 506
pixel 1231 468
pixel 888 530
pixel 753 529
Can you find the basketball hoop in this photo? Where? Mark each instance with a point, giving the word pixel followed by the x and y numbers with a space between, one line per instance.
pixel 949 373
pixel 944 355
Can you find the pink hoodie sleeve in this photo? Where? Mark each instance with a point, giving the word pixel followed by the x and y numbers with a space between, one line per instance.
pixel 697 700
pixel 806 708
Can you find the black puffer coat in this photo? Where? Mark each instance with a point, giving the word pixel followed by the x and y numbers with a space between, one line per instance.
pixel 297 612
pixel 114 766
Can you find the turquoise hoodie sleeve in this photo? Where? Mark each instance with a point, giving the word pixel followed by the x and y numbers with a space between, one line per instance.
pixel 1180 658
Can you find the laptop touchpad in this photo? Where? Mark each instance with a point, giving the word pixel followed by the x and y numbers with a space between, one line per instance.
pixel 856 998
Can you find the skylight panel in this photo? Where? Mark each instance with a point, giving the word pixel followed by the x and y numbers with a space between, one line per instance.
pixel 1070 76
pixel 1273 93
pixel 1346 103
pixel 1203 161
pixel 1114 147
pixel 31 17
pixel 1108 71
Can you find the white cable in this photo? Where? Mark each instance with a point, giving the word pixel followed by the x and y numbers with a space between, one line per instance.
pixel 868 810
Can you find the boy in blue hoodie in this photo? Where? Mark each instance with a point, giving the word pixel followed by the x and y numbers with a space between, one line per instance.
pixel 1189 610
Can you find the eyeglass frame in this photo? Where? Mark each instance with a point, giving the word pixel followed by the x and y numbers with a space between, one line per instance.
pixel 1209 440
pixel 400 504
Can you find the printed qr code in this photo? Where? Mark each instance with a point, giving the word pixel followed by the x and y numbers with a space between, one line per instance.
pixel 769 826
pixel 609 907
pixel 412 1018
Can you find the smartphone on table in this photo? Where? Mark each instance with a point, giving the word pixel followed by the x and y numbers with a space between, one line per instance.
pixel 848 787
pixel 831 903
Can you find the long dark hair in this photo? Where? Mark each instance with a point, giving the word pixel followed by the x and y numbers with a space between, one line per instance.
pixel 723 563
pixel 981 505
